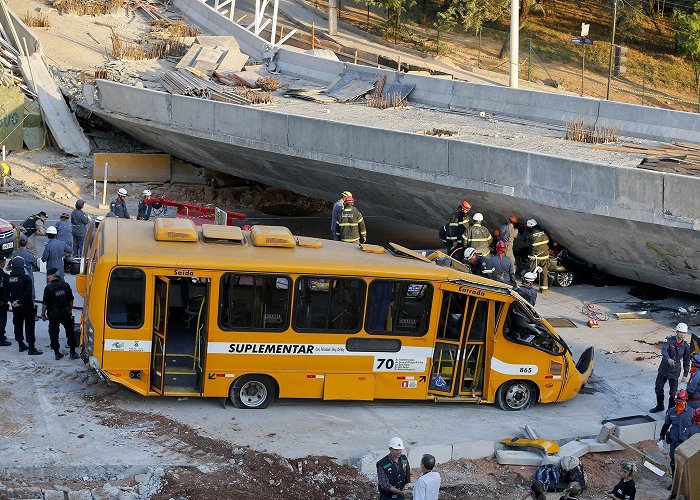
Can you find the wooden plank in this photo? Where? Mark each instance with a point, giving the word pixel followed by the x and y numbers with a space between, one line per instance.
pixel 132 167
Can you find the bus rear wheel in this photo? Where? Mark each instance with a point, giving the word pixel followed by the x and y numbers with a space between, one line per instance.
pixel 252 391
pixel 516 395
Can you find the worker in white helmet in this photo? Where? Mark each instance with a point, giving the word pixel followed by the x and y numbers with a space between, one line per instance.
pixel 539 252
pixel 525 290
pixel 478 236
pixel 54 251
pixel 144 212
pixel 118 205
pixel 393 472
pixel 675 356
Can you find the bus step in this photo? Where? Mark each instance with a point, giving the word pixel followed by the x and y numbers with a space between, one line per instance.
pixel 459 399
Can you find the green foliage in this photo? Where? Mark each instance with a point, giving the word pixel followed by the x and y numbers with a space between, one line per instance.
pixel 688 37
pixel 445 20
pixel 472 14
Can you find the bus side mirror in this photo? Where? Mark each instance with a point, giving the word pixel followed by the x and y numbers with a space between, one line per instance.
pixel 81 284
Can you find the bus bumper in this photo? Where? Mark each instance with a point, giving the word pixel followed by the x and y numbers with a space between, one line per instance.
pixel 578 376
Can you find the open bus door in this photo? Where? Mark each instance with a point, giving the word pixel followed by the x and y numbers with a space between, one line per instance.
pixel 460 347
pixel 179 335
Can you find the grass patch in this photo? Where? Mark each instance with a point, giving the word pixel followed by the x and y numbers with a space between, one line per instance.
pixel 36 20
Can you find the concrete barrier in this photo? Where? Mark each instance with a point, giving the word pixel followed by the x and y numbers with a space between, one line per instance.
pixel 24 33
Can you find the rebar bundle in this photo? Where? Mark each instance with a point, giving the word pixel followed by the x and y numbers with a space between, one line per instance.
pixel 577 130
pixel 384 101
pixel 182 82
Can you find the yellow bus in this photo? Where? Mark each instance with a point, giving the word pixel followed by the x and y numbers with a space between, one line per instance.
pixel 175 309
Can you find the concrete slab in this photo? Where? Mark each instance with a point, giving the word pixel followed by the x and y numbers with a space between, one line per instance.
pixel 594 446
pixel 573 449
pixel 54 495
pixel 442 453
pixel 637 432
pixel 473 449
pixel 517 457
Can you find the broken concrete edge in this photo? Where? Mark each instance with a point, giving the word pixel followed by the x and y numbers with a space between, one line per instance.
pixel 111 472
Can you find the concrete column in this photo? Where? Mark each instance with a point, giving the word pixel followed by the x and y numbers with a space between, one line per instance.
pixel 514 42
pixel 332 17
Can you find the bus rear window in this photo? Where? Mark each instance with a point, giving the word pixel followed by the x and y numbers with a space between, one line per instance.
pixel 398 307
pixel 329 305
pixel 254 302
pixel 126 298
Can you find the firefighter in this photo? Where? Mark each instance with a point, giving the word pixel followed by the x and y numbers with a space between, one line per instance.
pixel 55 251
pixel 58 308
pixel 452 232
pixel 674 352
pixel 502 266
pixel 144 211
pixel 507 233
pixel 695 428
pixel 4 303
pixel 478 237
pixel 477 264
pixel 393 472
pixel 32 227
pixel 694 383
pixel 675 428
pixel 539 252
pixel 350 227
pixel 79 223
pixel 23 312
pixel 526 291
pixel 118 204
pixel 337 208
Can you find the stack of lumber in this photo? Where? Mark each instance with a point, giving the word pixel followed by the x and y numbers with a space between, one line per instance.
pixel 679 157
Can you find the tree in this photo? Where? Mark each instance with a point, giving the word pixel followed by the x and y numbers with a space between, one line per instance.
pixel 394 8
pixel 444 21
pixel 688 37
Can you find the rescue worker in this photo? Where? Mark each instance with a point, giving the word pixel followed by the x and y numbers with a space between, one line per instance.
pixel 23 312
pixel 118 205
pixel 695 428
pixel 4 303
pixel 675 350
pixel 478 237
pixel 65 234
pixel 477 264
pixel 675 428
pixel 30 262
pixel 393 472
pixel 507 233
pixel 350 227
pixel 144 211
pixel 502 266
pixel 694 382
pixel 54 252
pixel 79 222
pixel 58 308
pixel 539 252
pixel 32 227
pixel 451 233
pixel 526 291
pixel 337 208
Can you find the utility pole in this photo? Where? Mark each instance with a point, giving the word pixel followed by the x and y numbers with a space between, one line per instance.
pixel 612 44
pixel 514 42
pixel 332 17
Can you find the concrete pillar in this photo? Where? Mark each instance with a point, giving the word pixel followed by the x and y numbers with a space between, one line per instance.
pixel 332 17
pixel 514 42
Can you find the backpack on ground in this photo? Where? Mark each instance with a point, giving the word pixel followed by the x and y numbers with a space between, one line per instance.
pixel 548 475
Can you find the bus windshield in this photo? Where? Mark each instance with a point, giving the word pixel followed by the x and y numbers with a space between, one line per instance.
pixel 522 327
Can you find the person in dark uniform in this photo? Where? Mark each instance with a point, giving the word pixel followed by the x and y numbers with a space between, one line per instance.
pixel 526 291
pixel 145 208
pixel 58 307
pixel 393 472
pixel 451 233
pixel 4 303
pixel 674 352
pixel 118 205
pixel 625 489
pixel 23 313
pixel 539 252
pixel 675 428
pixel 477 264
pixel 79 222
pixel 502 266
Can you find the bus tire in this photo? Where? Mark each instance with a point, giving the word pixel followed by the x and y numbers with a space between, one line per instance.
pixel 252 391
pixel 516 395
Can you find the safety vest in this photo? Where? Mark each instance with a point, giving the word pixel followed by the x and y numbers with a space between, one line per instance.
pixel 398 476
pixel 29 225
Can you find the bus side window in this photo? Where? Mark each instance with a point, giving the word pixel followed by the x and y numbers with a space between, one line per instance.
pixel 451 316
pixel 126 298
pixel 254 302
pixel 329 304
pixel 398 307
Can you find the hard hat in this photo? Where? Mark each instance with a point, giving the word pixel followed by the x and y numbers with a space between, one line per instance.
pixel 531 223
pixel 396 443
pixel 147 192
pixel 121 192
pixel 696 416
pixel 500 245
pixel 346 193
pixel 64 215
pixel 348 199
pixel 478 217
pixel 569 463
pixel 529 277
pixel 51 230
pixel 469 253
pixel 514 219
pixel 465 205
pixel 682 327
pixel 682 395
pixel 696 358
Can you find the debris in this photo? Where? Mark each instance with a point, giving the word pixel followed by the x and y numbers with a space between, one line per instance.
pixel 577 130
pixel 638 315
pixel 607 433
pixel 438 132
pixel 147 50
pixel 545 445
pixel 88 7
pixel 267 83
pixel 183 82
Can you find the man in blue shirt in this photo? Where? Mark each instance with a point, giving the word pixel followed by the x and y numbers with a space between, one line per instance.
pixel 337 208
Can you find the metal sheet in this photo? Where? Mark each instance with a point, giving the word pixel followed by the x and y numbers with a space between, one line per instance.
pixel 132 167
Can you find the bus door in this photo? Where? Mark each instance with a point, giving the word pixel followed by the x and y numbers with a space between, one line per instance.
pixel 460 347
pixel 179 334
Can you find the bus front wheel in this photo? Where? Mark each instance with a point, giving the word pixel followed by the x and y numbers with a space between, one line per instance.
pixel 252 391
pixel 516 395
